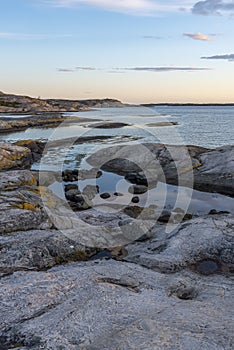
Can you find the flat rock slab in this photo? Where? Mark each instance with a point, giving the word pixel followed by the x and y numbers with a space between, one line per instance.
pixel 209 238
pixel 115 305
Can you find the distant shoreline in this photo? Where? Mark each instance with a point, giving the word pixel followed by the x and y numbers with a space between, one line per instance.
pixel 186 104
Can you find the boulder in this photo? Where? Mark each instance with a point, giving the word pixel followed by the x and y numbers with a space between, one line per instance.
pixel 190 166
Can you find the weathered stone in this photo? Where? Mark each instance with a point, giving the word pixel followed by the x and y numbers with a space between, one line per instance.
pixel 38 250
pixel 115 305
pixel 192 242
pixel 20 202
pixel 14 157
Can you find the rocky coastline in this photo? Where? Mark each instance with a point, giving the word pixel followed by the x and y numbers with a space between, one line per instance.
pixel 164 290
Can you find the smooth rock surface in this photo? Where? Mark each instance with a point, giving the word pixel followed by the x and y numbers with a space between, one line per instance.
pixel 194 241
pixel 190 166
pixel 114 305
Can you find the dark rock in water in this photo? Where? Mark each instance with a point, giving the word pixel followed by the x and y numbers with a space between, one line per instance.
pixel 164 217
pixel 118 194
pixel 207 267
pixel 70 175
pixel 105 195
pixel 159 124
pixel 78 198
pixel 135 199
pixel 137 189
pixel 137 179
pixel 71 195
pixel 214 212
pixel 107 125
pixel 70 187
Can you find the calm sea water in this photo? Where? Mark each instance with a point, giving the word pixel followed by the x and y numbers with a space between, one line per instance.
pixel 207 126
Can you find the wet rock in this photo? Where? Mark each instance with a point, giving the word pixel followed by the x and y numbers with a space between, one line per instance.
pixel 212 169
pixel 135 199
pixel 207 267
pixel 107 125
pixel 118 194
pixel 136 178
pixel 159 124
pixel 80 202
pixel 105 195
pixel 70 175
pixel 215 212
pixel 137 189
pixel 70 187
pixel 164 217
pixel 72 195
pixel 14 157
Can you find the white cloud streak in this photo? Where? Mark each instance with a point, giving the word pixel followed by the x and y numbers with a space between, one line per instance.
pixel 198 36
pixel 140 7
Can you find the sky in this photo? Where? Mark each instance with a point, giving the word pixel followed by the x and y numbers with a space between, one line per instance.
pixel 137 51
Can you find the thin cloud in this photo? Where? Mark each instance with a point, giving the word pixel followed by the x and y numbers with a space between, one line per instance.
pixel 212 7
pixel 139 7
pixel 65 70
pixel 228 57
pixel 163 69
pixel 152 37
pixel 85 68
pixel 198 36
pixel 75 69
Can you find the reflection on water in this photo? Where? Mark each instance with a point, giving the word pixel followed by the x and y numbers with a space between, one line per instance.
pixel 163 196
pixel 207 126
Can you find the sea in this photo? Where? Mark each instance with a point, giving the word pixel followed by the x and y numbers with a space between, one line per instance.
pixel 206 126
pixel 199 125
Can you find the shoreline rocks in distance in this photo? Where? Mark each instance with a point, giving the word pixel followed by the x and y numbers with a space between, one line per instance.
pixel 10 103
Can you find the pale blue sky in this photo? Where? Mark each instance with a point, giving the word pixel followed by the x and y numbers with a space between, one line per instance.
pixel 133 50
